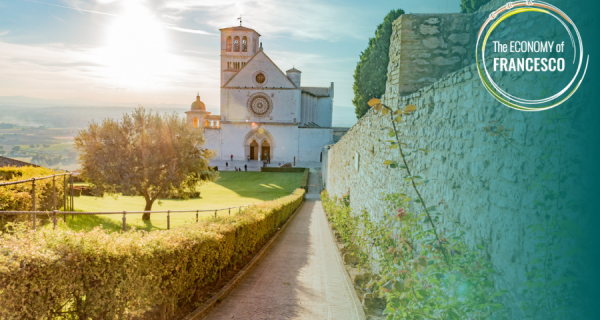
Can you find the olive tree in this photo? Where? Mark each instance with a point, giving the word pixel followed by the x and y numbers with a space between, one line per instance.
pixel 144 153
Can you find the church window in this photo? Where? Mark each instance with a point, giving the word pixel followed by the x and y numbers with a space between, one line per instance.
pixel 205 123
pixel 236 44
pixel 228 44
pixel 244 44
pixel 195 122
pixel 260 78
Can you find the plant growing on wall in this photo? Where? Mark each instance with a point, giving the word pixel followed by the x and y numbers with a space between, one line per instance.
pixel 144 153
pixel 425 272
pixel 370 74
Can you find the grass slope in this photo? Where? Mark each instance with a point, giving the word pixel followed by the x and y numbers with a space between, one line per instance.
pixel 230 190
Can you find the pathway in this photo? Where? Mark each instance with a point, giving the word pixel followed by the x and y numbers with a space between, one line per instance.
pixel 300 277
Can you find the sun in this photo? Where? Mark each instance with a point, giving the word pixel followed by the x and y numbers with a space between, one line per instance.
pixel 136 52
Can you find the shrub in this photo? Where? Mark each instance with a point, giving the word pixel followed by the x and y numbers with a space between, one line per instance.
pixel 469 6
pixel 18 197
pixel 370 75
pixel 99 274
pixel 304 181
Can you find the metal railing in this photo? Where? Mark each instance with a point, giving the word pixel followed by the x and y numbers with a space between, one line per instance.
pixel 70 205
pixel 54 214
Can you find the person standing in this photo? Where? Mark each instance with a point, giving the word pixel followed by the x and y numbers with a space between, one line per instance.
pixel 232 157
pixel 226 165
pixel 268 160
pixel 245 167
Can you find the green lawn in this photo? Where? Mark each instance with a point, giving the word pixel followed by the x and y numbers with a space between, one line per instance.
pixel 230 190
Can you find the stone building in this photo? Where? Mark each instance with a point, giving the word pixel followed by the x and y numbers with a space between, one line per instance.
pixel 264 112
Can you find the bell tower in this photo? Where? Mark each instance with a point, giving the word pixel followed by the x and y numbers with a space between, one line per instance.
pixel 238 45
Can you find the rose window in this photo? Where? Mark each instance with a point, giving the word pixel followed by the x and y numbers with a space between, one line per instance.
pixel 260 105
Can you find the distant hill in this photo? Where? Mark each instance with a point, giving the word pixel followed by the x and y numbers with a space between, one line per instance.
pixel 28 111
pixel 24 101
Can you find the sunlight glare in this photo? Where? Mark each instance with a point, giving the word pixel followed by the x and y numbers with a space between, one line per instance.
pixel 136 52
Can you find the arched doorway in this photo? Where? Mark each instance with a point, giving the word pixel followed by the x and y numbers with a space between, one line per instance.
pixel 254 150
pixel 265 150
pixel 258 144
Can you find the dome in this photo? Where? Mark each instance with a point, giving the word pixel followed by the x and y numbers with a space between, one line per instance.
pixel 198 105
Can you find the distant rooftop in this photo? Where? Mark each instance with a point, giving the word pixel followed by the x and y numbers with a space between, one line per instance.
pixel 9 162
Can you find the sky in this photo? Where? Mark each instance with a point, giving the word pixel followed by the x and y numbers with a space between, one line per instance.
pixel 161 52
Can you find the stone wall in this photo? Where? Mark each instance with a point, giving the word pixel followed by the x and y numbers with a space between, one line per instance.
pixel 487 181
pixel 484 179
pixel 426 47
pixel 486 195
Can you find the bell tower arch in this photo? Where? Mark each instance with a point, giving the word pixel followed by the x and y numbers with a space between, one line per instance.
pixel 238 45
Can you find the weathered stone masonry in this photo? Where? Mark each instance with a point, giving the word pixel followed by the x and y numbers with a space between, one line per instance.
pixel 484 180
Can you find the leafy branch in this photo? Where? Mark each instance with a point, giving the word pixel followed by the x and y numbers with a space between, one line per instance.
pixel 378 105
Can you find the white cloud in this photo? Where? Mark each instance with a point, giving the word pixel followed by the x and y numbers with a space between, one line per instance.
pixel 308 19
pixel 58 71
pixel 3 33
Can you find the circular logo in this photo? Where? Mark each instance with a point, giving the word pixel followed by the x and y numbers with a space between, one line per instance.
pixel 530 56
pixel 260 105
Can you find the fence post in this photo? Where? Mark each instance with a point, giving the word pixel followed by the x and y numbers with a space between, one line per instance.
pixel 229 210
pixel 72 204
pixel 169 220
pixel 65 197
pixel 33 202
pixel 54 192
pixel 54 220
pixel 196 215
pixel 124 221
pixel 215 213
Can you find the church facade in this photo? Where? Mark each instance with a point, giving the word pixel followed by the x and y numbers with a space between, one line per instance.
pixel 264 112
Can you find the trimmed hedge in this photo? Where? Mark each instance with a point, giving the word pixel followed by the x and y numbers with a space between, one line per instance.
pixel 276 169
pixel 304 181
pixel 102 275
pixel 17 197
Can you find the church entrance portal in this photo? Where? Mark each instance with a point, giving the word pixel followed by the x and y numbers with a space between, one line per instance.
pixel 265 150
pixel 254 150
pixel 259 144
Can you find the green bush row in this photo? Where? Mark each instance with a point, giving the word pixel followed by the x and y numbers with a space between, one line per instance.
pixel 275 169
pixel 304 181
pixel 103 275
pixel 18 197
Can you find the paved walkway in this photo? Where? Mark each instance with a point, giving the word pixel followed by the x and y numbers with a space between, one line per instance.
pixel 300 277
pixel 254 165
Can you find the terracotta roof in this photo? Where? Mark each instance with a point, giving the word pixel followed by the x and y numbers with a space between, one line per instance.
pixel 239 28
pixel 8 162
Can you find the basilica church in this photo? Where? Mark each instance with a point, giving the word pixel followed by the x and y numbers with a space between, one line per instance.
pixel 264 111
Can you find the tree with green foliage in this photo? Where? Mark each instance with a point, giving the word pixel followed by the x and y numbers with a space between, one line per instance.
pixel 16 148
pixel 144 153
pixel 468 6
pixel 370 75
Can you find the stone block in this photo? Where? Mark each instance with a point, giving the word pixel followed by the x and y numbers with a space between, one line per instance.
pixel 428 29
